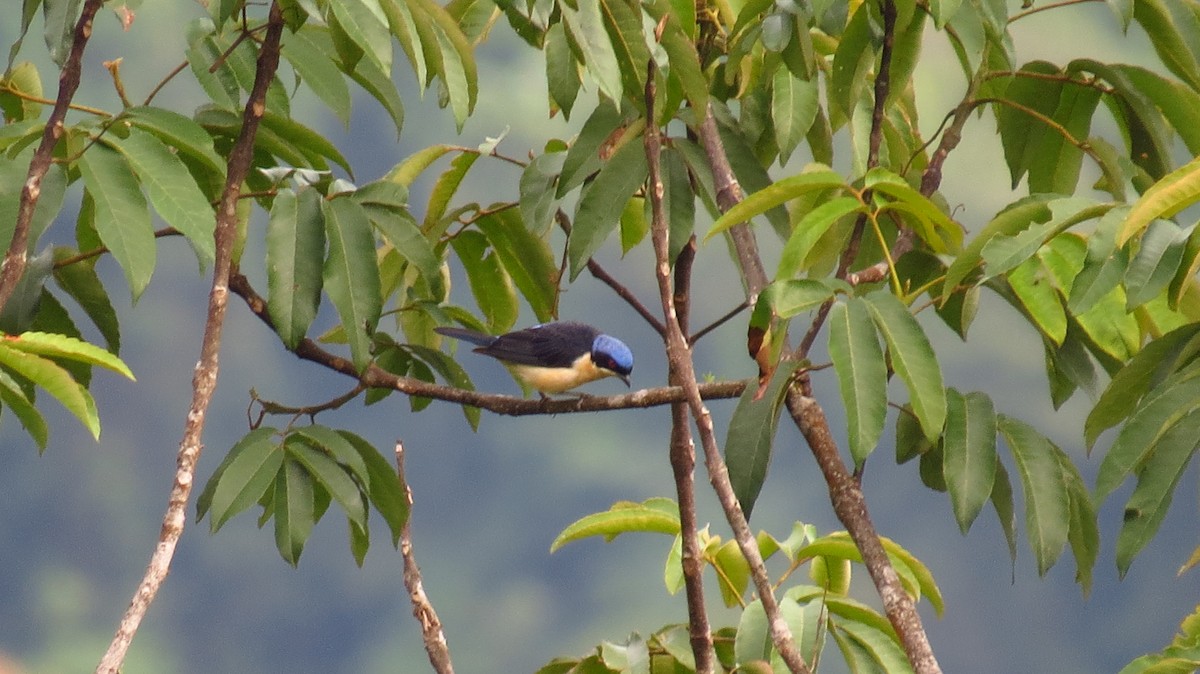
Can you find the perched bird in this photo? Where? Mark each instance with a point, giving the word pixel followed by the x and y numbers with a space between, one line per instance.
pixel 554 357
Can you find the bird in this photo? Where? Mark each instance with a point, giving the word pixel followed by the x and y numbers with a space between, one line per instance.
pixel 553 357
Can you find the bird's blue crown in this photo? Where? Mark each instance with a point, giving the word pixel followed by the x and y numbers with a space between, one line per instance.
pixel 620 354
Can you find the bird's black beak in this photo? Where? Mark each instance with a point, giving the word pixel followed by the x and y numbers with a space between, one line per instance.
pixel 625 378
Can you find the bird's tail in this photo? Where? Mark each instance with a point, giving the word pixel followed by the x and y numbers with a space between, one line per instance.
pixel 466 335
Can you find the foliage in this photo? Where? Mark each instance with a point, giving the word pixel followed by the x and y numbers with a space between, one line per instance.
pixel 815 612
pixel 1098 252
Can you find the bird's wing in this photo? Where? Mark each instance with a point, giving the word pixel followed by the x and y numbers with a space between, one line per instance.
pixel 549 345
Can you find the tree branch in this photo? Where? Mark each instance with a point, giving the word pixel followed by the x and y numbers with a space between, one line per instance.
pixel 376 377
pixel 431 625
pixel 205 378
pixel 845 492
pixel 682 372
pixel 13 265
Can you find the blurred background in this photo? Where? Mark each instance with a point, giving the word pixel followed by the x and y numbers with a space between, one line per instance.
pixel 78 523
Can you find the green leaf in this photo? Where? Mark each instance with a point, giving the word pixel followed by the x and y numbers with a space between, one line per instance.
pixel 1008 222
pixel 364 22
pixel 314 65
pixel 813 179
pixel 583 157
pixel 1002 503
pixel 444 189
pixel 654 515
pixel 733 571
pixel 752 434
pixel 851 61
pixel 862 374
pixel 753 640
pixel 56 380
pixel 602 202
pixel 295 514
pixel 409 29
pixel 295 251
pixel 538 201
pixel 121 215
pixel 181 133
pixel 388 494
pixel 69 348
pixel 679 200
pixel 457 64
pixel 562 71
pixel 1154 265
pixel 1158 475
pixel 1157 413
pixel 490 283
pixel 245 474
pixel 527 259
pixel 283 135
pixel 399 229
pixel 809 229
pixel 969 454
pixel 379 84
pixel 1039 299
pixel 1003 252
pixel 1084 535
pixel 17 400
pixel 1047 504
pixel 1174 192
pixel 1055 163
pixel 624 26
pixel 1019 130
pixel 81 282
pixel 683 60
pixel 794 105
pixel 787 298
pixel 585 24
pixel 1174 32
pixel 912 358
pixel 172 190
pixel 910 439
pixel 351 275
pixel 60 18
pixel 929 222
pixel 338 447
pixel 879 646
pixel 332 476
pixel 1148 368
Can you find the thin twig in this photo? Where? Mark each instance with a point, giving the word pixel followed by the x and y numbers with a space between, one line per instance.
pixel 719 322
pixel 204 380
pixel 1041 8
pixel 163 82
pixel 266 407
pixel 97 252
pixel 13 266
pixel 423 611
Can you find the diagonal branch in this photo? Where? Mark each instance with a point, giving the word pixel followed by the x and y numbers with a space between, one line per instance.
pixel 845 491
pixel 204 380
pixel 682 372
pixel 68 82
